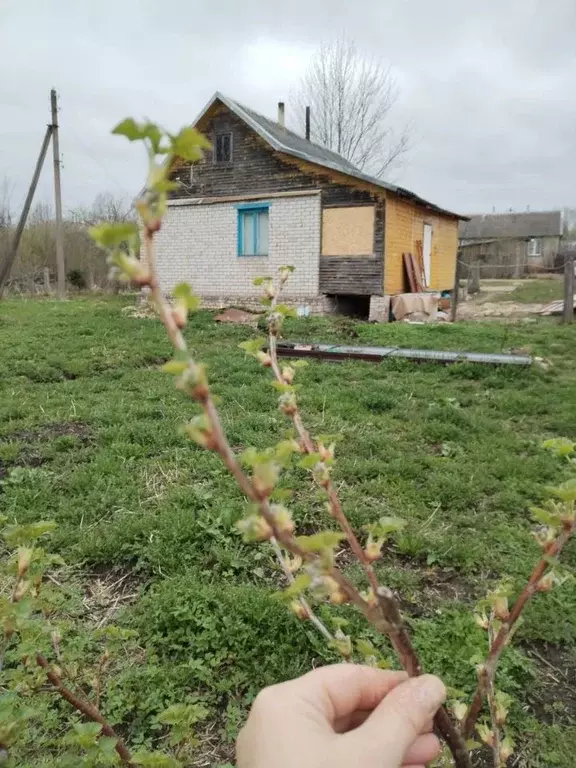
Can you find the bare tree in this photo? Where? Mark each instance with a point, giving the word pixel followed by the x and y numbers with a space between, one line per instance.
pixel 105 207
pixel 350 96
pixel 6 189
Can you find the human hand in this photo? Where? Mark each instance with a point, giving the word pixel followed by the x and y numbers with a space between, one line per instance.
pixel 342 716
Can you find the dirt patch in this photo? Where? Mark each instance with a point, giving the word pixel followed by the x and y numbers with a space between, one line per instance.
pixel 143 310
pixel 472 310
pixel 238 317
pixel 554 699
pixel 155 360
pixel 107 592
pixel 51 431
pixel 211 750
pixel 434 585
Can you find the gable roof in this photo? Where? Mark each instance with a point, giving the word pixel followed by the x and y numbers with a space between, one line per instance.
pixel 288 142
pixel 512 225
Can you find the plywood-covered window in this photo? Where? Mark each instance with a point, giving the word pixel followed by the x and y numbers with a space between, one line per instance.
pixel 348 231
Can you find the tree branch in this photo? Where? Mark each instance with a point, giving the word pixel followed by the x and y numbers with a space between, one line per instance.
pixel 85 708
pixel 373 610
pixel 501 640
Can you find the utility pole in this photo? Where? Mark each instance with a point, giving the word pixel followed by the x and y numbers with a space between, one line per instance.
pixel 60 267
pixel 569 288
pixel 456 289
pixel 6 266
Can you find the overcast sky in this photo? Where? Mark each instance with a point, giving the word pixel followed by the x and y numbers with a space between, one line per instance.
pixel 487 86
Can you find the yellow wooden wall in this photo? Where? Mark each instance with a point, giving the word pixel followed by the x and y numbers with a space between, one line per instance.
pixel 404 227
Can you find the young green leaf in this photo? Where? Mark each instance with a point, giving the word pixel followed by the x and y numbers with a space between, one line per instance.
pixel 365 648
pixel 318 542
pixel 183 292
pixel 561 446
pixel 253 346
pixel 565 491
pixel 83 734
pixel 17 535
pixel 129 128
pixel 112 235
pixel 175 367
pixel 281 386
pixel 285 310
pixel 189 144
pixel 545 516
pixel 298 586
pixel 386 526
pixel 310 460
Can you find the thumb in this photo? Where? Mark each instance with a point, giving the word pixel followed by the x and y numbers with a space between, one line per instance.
pixel 399 719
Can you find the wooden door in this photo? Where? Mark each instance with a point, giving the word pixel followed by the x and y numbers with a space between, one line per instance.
pixel 427 253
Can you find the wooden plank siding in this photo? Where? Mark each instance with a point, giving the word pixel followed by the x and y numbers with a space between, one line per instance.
pixel 255 168
pixel 351 275
pixel 404 228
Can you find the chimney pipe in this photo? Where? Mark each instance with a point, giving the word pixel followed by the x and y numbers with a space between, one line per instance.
pixel 281 112
pixel 307 123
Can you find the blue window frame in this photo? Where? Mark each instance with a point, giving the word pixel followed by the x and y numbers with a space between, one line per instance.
pixel 253 229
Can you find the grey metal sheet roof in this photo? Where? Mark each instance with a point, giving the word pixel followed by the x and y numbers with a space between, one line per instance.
pixel 513 225
pixel 284 140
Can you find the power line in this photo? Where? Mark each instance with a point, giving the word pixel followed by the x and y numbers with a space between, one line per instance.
pixel 97 161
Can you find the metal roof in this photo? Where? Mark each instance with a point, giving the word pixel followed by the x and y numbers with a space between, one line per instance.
pixel 286 141
pixel 512 225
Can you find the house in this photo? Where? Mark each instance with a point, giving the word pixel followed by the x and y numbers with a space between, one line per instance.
pixel 265 196
pixel 512 244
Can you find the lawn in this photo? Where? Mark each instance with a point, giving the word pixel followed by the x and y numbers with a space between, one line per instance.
pixel 90 436
pixel 529 291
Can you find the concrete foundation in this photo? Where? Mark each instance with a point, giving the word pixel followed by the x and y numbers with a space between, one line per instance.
pixel 379 309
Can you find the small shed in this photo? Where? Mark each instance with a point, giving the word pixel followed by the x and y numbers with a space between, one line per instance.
pixel 512 244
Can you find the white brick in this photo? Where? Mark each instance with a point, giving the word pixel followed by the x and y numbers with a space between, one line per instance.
pixel 198 244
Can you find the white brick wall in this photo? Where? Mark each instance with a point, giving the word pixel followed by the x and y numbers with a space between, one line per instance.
pixel 198 244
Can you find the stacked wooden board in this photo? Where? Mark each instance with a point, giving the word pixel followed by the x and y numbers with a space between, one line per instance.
pixel 415 272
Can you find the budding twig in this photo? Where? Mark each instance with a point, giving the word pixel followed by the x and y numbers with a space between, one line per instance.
pixel 491 694
pixel 551 550
pixel 385 615
pixel 85 708
pixel 219 440
pixel 80 704
pixel 308 612
pixel 216 440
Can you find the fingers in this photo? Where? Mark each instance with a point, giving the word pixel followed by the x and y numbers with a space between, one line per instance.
pixel 425 749
pixel 339 690
pixel 399 719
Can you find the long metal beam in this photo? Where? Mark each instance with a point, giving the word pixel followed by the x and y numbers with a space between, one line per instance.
pixel 339 353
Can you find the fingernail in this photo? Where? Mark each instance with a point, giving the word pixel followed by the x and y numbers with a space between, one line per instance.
pixel 429 690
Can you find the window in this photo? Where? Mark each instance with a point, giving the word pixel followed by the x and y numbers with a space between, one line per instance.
pixel 535 247
pixel 223 148
pixel 253 229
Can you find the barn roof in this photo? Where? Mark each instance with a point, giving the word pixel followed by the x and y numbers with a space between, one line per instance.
pixel 512 225
pixel 284 140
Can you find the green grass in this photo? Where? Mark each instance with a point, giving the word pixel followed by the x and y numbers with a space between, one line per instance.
pixel 90 437
pixel 536 292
